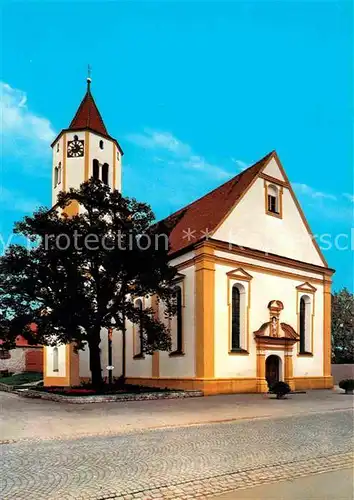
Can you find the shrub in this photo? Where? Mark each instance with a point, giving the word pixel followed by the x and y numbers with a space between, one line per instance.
pixel 281 389
pixel 347 385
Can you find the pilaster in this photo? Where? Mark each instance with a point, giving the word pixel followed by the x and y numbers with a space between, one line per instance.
pixel 288 369
pixel 204 311
pixel 327 349
pixel 262 385
pixel 155 368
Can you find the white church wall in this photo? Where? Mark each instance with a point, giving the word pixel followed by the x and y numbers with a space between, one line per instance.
pixel 84 356
pixel 61 361
pixel 104 352
pixel 74 167
pixel 263 263
pixel 116 353
pixel 313 366
pixel 248 225
pixel 141 367
pixel 183 366
pixel 117 344
pixel 177 261
pixel 106 155
pixel 273 170
pixel 229 365
pixel 264 288
pixel 57 157
pixel 84 363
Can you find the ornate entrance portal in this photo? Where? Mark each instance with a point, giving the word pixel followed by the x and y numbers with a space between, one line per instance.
pixel 272 369
pixel 274 336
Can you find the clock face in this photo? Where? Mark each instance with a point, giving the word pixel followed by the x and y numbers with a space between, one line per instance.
pixel 75 149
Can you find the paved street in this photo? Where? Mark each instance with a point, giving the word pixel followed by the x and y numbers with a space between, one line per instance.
pixel 35 418
pixel 196 461
pixel 335 485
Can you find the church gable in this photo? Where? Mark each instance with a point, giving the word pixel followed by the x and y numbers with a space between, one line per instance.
pixel 273 169
pixel 269 218
pixel 256 209
pixel 198 220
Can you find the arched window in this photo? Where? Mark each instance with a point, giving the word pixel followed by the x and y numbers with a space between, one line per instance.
pixel 139 330
pixel 236 318
pixel 55 359
pixel 55 176
pixel 95 169
pixel 101 145
pixel 59 173
pixel 105 169
pixel 273 199
pixel 305 324
pixel 57 146
pixel 179 312
pixel 76 138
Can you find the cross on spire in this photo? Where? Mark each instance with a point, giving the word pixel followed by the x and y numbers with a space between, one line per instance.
pixel 88 79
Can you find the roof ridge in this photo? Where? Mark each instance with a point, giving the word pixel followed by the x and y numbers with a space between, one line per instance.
pixel 193 222
pixel 238 176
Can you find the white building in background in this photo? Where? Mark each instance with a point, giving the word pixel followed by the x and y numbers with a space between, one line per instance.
pixel 254 290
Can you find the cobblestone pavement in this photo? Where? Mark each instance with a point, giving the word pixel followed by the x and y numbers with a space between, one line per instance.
pixel 27 418
pixel 326 485
pixel 177 463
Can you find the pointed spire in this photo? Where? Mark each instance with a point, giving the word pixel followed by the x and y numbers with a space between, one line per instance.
pixel 87 115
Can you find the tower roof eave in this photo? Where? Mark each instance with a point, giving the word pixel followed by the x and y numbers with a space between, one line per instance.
pixel 82 129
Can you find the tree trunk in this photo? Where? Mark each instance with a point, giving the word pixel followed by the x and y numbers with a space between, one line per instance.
pixel 95 360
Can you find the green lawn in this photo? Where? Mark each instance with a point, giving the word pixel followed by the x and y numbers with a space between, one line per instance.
pixel 21 378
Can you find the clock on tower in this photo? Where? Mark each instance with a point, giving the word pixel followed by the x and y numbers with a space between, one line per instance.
pixel 75 148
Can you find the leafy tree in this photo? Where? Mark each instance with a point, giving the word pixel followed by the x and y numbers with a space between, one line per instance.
pixel 83 271
pixel 343 327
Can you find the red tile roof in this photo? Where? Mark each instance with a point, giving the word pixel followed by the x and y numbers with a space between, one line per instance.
pixel 88 116
pixel 21 341
pixel 206 213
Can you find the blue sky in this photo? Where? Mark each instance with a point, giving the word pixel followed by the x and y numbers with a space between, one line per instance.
pixel 194 92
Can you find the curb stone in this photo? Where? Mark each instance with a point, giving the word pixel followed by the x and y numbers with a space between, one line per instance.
pixel 28 393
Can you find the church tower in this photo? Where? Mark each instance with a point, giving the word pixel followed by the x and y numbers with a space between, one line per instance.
pixel 84 150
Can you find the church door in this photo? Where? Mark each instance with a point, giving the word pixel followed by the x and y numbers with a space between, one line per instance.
pixel 272 369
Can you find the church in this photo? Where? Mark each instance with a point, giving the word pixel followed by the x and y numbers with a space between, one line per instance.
pixel 253 287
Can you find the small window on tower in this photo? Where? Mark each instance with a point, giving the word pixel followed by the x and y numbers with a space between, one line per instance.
pixel 76 138
pixel 95 169
pixel 101 145
pixel 105 169
pixel 59 173
pixel 57 146
pixel 118 155
pixel 55 176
